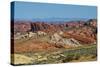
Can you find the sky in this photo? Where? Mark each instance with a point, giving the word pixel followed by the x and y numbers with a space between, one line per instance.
pixel 31 10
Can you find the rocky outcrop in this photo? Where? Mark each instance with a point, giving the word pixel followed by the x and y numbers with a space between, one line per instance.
pixel 75 24
pixel 85 34
pixel 63 42
pixel 93 22
pixel 21 26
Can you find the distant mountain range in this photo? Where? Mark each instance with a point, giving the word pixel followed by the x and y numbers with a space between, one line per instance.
pixel 54 20
pixel 59 19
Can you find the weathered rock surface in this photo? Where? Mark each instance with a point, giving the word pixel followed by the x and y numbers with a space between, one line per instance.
pixel 52 36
